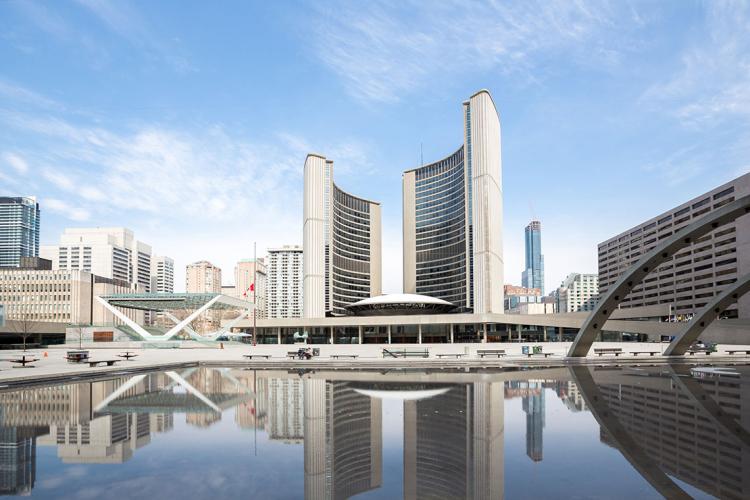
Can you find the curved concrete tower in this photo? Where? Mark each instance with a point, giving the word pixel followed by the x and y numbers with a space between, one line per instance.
pixel 453 217
pixel 341 243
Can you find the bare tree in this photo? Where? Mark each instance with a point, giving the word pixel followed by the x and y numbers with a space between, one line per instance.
pixel 23 325
pixel 79 330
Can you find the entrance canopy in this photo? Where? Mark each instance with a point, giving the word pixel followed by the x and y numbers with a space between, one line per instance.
pixel 165 302
pixel 173 301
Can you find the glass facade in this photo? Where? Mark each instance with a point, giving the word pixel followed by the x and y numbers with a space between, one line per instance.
pixel 19 230
pixel 441 230
pixel 533 275
pixel 350 257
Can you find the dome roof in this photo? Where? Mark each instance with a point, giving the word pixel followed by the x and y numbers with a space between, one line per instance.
pixel 402 298
pixel 399 304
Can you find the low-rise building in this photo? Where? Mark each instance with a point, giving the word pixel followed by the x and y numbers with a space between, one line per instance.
pixel 514 296
pixel 65 297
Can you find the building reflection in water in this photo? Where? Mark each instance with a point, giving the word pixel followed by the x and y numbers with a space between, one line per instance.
pixel 667 422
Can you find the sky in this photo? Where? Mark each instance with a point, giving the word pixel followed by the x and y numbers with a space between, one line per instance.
pixel 189 122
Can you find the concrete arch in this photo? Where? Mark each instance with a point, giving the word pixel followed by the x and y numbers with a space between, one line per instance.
pixel 628 447
pixel 733 428
pixel 633 276
pixel 705 316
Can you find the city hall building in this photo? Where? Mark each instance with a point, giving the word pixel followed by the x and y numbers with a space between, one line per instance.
pixel 453 218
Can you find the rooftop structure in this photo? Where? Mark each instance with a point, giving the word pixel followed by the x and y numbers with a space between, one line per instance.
pixel 400 304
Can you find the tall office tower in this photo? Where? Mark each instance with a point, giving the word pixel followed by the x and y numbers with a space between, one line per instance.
pixel 285 276
pixel 533 275
pixel 343 432
pixel 202 277
pixel 464 427
pixel 341 245
pixel 453 218
pixel 578 292
pixel 19 230
pixel 162 274
pixel 533 406
pixel 249 272
pixel 696 273
pixel 18 467
pixel 110 252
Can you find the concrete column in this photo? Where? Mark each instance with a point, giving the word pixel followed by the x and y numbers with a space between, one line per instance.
pixel 451 329
pixel 278 335
pixel 360 334
pixel 419 334
pixel 518 332
pixel 331 334
pixel 389 334
pixel 484 333
pixel 560 333
pixel 544 329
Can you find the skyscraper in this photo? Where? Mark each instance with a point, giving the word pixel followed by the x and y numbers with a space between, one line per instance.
pixel 202 277
pixel 453 217
pixel 285 282
pixel 533 275
pixel 341 244
pixel 162 274
pixel 249 272
pixel 19 229
pixel 110 252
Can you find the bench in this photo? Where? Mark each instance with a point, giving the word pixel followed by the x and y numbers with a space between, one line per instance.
pixel 693 351
pixel 608 350
pixel 490 352
pixel 406 354
pixel 110 362
pixel 337 356
pixel 545 354
pixel 445 355
pixel 746 351
pixel 292 354
pixel 636 353
pixel 251 356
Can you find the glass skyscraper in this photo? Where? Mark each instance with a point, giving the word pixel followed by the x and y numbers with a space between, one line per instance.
pixel 19 230
pixel 533 276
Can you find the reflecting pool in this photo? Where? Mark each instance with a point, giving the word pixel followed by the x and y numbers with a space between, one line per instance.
pixel 584 432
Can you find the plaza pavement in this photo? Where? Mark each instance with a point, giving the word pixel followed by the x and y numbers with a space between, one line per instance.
pixel 52 365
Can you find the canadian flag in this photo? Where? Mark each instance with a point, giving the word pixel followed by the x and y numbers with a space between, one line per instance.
pixel 252 288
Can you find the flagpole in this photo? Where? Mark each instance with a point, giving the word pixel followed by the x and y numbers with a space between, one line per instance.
pixel 255 291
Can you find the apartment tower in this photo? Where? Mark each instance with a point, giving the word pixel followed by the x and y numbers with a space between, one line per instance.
pixel 285 278
pixel 19 230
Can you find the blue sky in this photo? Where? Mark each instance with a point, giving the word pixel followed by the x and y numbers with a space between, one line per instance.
pixel 189 122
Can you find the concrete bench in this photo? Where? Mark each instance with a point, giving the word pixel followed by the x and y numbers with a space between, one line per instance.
pixel 490 352
pixel 608 350
pixel 545 354
pixel 732 351
pixel 292 354
pixel 454 354
pixel 337 356
pixel 251 356
pixel 405 354
pixel 109 362
pixel 693 351
pixel 636 353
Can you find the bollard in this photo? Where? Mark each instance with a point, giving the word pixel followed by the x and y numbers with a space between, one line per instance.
pixel 221 345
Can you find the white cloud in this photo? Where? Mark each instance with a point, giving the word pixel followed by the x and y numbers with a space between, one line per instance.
pixel 713 83
pixel 63 208
pixel 385 49
pixel 16 162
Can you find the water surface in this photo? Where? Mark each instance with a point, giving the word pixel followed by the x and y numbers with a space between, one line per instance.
pixel 579 432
